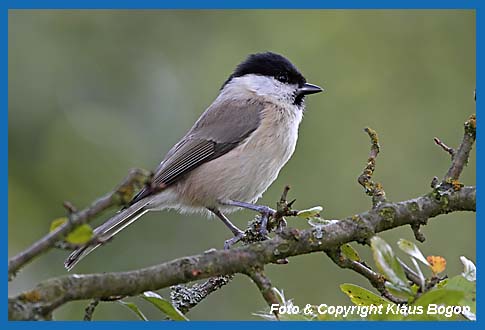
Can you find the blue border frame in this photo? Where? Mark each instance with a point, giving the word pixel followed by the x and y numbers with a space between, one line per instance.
pixel 238 4
pixel 221 4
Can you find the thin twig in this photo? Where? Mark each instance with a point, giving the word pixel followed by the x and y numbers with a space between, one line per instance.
pixel 373 189
pixel 449 150
pixel 410 274
pixel 433 281
pixel 69 207
pixel 460 158
pixel 89 311
pixel 376 280
pixel 120 196
pixel 283 207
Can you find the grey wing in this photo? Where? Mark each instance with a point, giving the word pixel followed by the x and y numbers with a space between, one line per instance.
pixel 222 127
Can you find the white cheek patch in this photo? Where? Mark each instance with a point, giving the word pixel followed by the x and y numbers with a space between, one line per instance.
pixel 267 87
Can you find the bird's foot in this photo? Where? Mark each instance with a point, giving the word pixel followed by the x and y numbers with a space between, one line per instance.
pixel 265 212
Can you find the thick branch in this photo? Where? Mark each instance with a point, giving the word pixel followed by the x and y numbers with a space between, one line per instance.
pixel 121 195
pixel 50 294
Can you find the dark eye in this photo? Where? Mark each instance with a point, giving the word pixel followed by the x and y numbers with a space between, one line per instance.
pixel 283 77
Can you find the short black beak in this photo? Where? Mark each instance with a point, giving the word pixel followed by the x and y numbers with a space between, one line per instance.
pixel 309 89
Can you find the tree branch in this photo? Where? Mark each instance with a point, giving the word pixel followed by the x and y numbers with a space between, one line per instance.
pixel 373 189
pixel 460 159
pixel 89 311
pixel 186 297
pixel 443 146
pixel 120 196
pixel 376 280
pixel 264 285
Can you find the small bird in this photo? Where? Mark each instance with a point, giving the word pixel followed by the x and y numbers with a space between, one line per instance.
pixel 231 155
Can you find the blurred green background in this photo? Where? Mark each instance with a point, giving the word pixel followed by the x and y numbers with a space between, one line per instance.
pixel 94 93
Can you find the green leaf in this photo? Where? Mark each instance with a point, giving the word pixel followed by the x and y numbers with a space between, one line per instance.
pixel 468 288
pixel 411 249
pixel 470 272
pixel 441 296
pixel 311 212
pixel 349 252
pixel 361 296
pixel 134 308
pixel 442 283
pixel 415 288
pixel 56 223
pixel 165 306
pixel 388 265
pixel 460 283
pixel 80 235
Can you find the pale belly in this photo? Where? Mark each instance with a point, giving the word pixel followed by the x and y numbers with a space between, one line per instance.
pixel 244 173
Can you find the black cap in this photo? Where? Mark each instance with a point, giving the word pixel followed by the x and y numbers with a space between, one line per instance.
pixel 271 65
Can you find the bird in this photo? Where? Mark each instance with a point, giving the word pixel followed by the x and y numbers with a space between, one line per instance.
pixel 230 156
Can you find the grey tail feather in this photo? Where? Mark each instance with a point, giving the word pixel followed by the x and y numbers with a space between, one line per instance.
pixel 107 230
